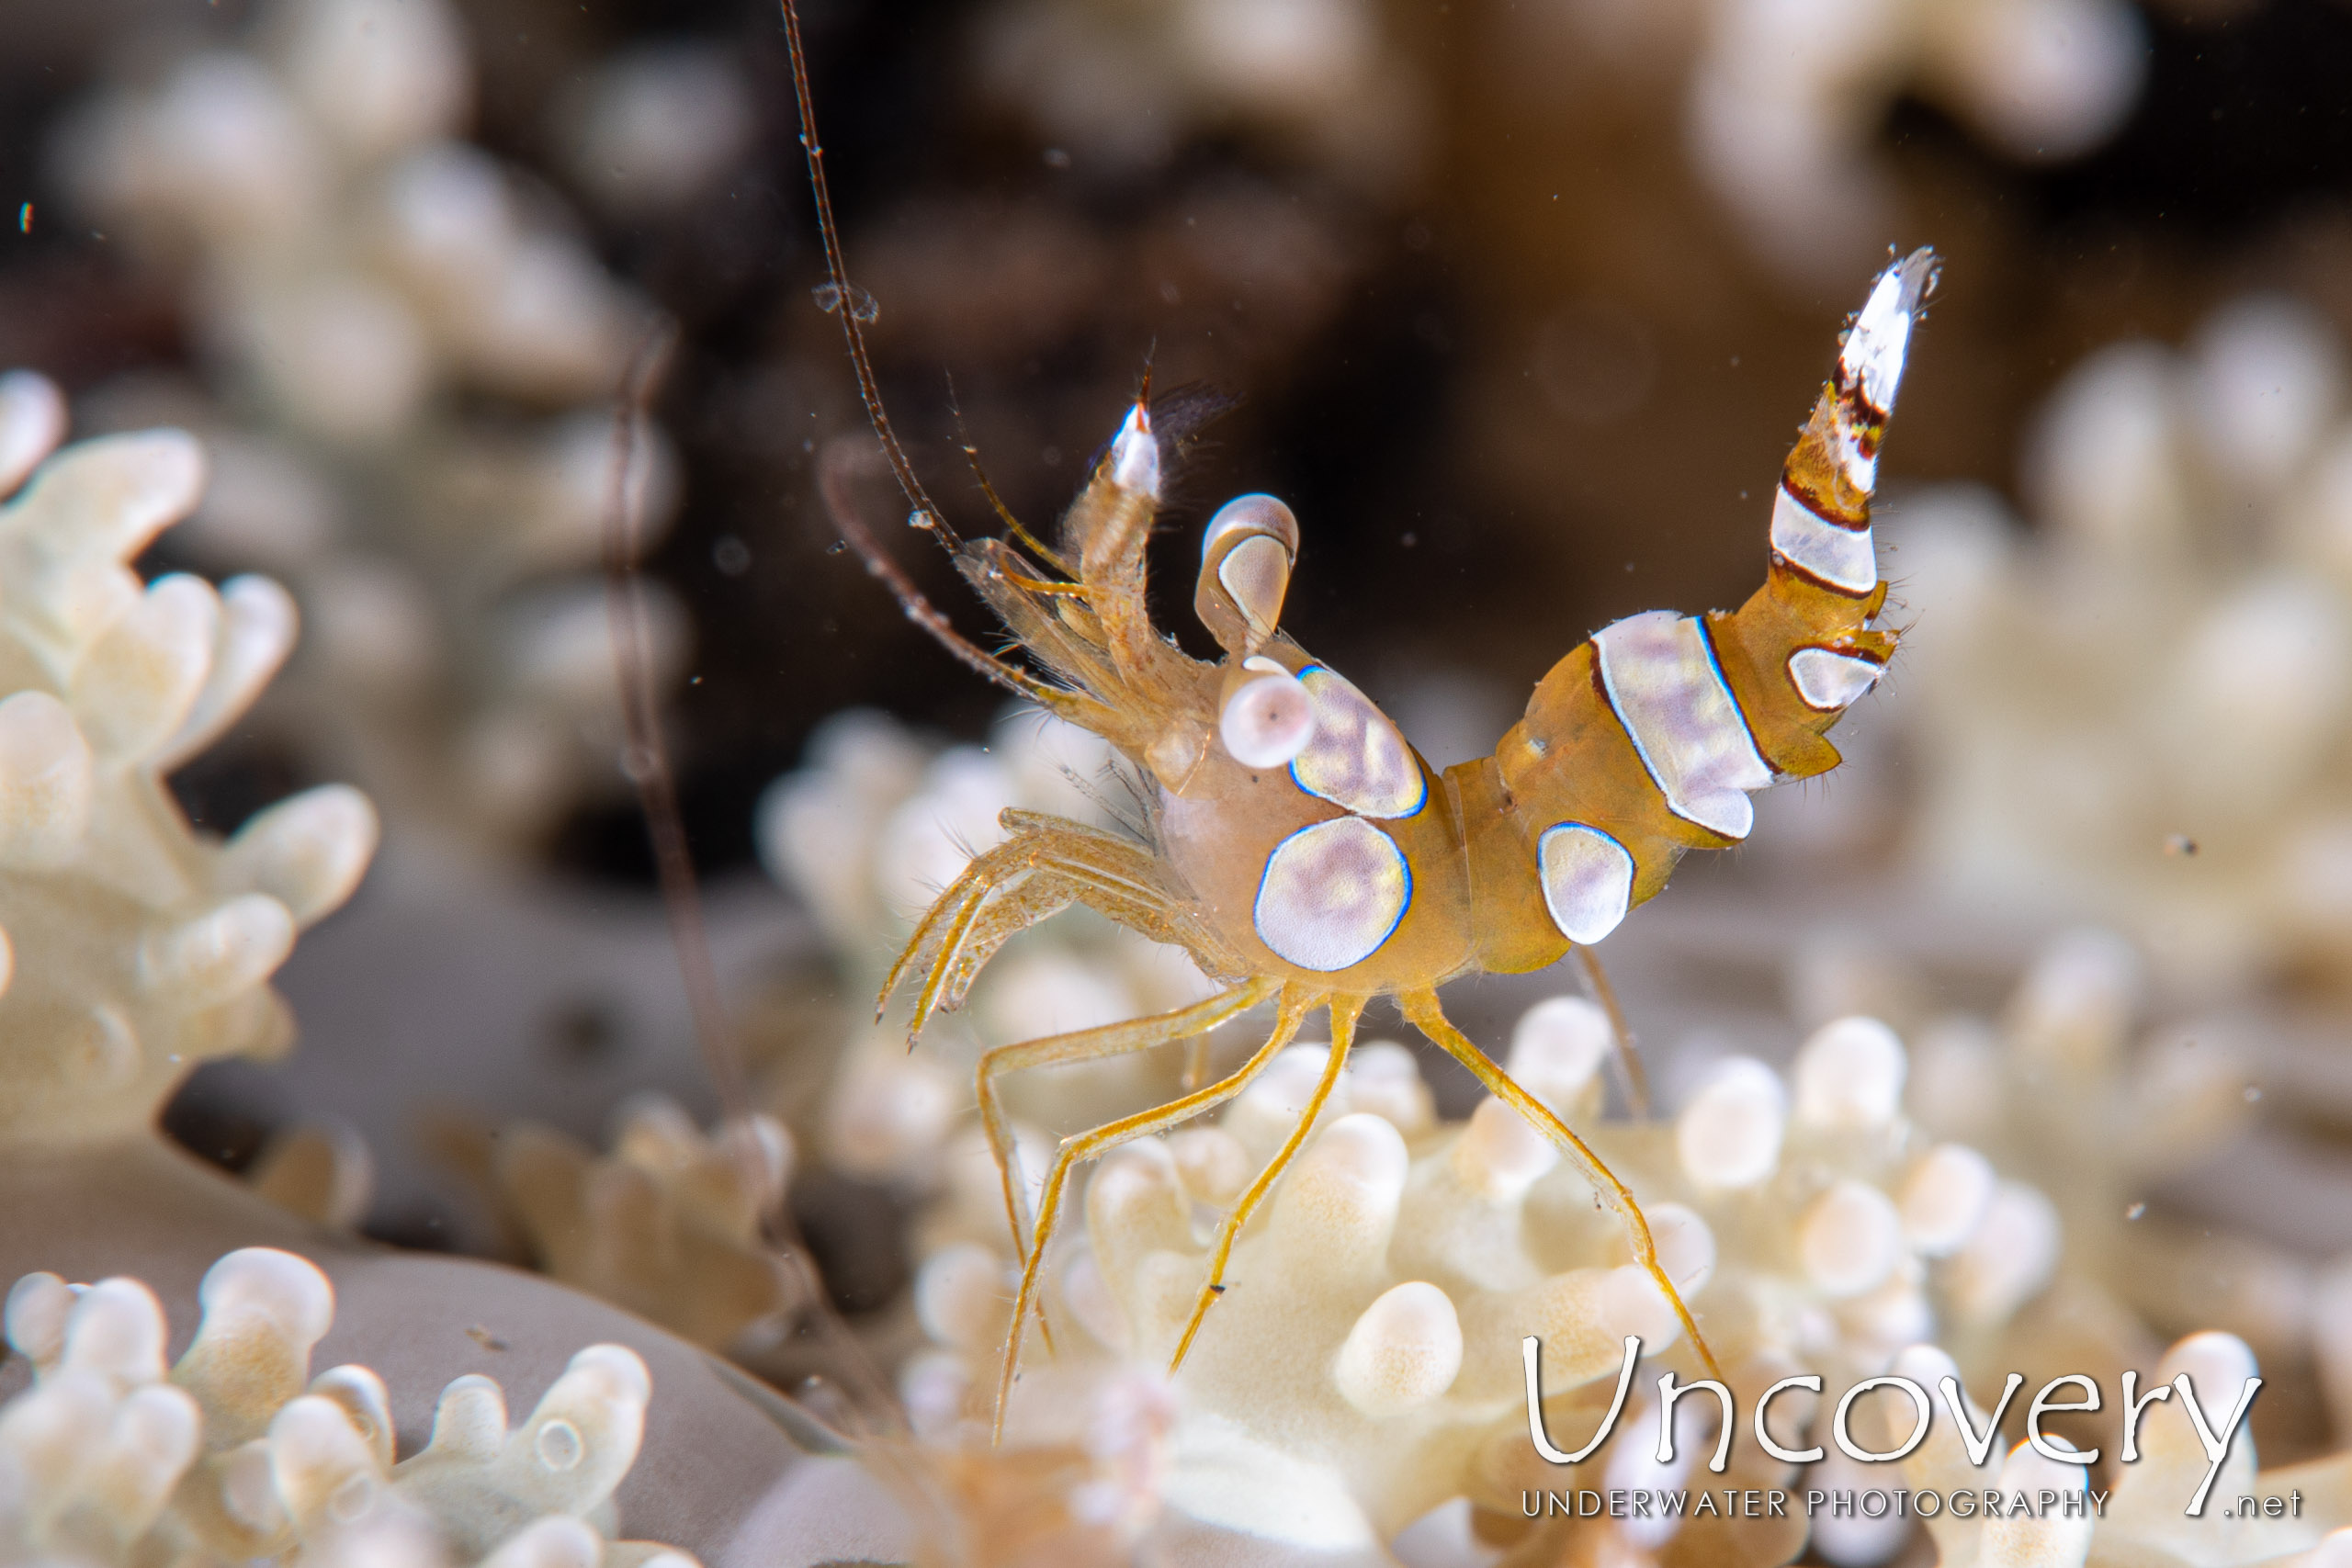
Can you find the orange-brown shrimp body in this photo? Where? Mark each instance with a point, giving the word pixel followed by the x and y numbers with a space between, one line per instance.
pixel 1325 850
pixel 1304 853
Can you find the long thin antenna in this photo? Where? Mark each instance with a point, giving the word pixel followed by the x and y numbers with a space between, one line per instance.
pixel 916 1484
pixel 833 483
pixel 647 758
pixel 647 762
pixel 849 302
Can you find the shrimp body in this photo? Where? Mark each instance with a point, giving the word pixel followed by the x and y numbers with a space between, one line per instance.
pixel 1368 893
pixel 1342 860
pixel 1307 855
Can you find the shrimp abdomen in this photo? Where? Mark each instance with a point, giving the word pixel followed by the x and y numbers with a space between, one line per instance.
pixel 1647 740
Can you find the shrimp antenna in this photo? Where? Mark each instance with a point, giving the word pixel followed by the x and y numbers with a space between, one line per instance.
pixel 647 762
pixel 851 305
pixel 833 476
pixel 1044 551
pixel 647 759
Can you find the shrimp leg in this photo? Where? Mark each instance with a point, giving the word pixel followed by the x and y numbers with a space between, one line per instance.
pixel 1423 1011
pixel 1292 1012
pixel 1344 1013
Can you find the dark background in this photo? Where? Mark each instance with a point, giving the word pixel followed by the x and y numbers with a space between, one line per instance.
pixel 1510 399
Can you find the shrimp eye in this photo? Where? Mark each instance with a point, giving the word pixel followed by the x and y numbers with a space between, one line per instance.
pixel 1245 559
pixel 1267 721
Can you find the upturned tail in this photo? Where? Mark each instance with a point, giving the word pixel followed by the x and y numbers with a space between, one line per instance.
pixel 1647 740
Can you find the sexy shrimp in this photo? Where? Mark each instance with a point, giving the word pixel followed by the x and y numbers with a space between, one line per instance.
pixel 1297 846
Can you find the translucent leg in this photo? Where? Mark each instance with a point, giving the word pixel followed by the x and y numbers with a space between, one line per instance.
pixel 1423 1011
pixel 1038 841
pixel 1344 1013
pixel 1086 1045
pixel 1042 895
pixel 1087 1145
pixel 956 908
pixel 1629 1056
pixel 1092 1045
pixel 1196 1063
pixel 1034 901
pixel 1120 879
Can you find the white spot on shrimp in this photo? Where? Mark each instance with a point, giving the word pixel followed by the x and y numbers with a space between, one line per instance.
pixel 1587 880
pixel 1358 759
pixel 1332 894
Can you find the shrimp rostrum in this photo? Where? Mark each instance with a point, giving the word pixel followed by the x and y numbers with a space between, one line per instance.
pixel 1303 852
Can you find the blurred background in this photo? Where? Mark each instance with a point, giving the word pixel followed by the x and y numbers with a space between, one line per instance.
pixel 1517 299
pixel 1521 302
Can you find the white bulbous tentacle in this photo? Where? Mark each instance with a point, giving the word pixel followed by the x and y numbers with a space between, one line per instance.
pixel 32 422
pixel 230 948
pixel 308 851
pixel 139 683
pixel 258 624
pixel 47 778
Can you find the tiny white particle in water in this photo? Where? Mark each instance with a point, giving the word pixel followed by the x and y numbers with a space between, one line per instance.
pixel 2135 1211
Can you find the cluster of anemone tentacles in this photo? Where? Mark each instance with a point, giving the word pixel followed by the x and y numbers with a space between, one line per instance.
pixel 1358 1383
pixel 236 1454
pixel 137 946
pixel 408 363
pixel 1363 1367
pixel 1784 102
pixel 134 947
pixel 1976 1195
pixel 2139 712
pixel 667 1224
